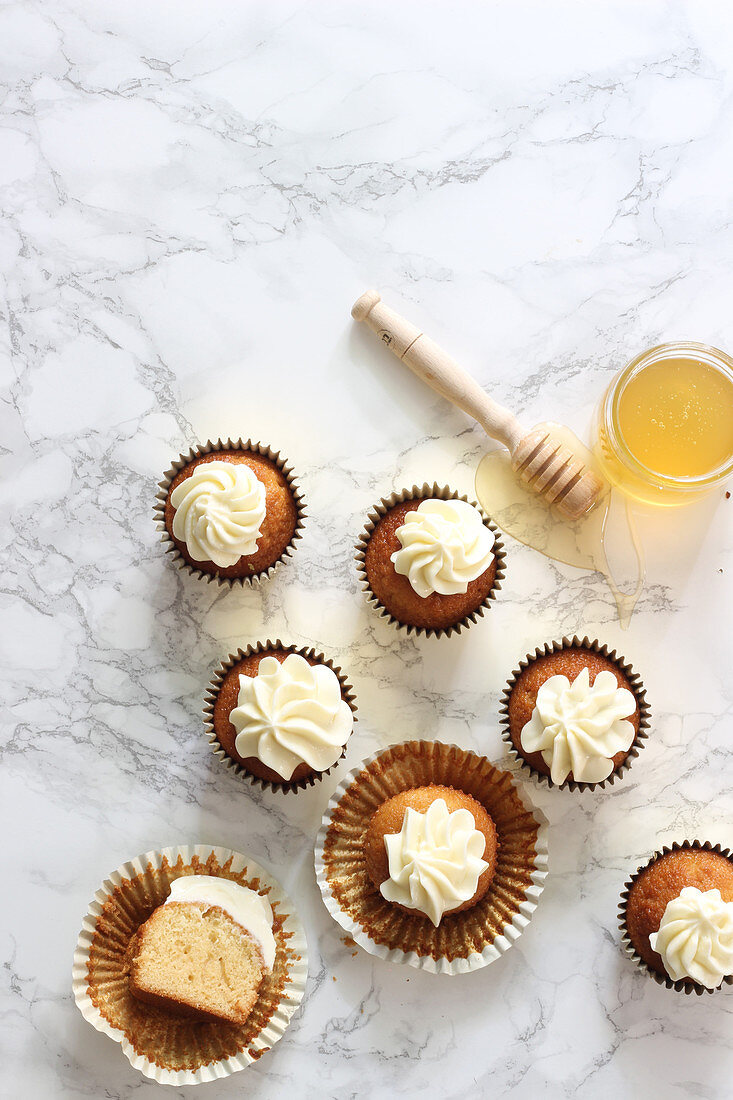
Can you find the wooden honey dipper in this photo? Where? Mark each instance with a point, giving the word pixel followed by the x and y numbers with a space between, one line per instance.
pixel 543 464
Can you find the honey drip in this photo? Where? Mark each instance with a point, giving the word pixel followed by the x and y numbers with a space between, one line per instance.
pixel 582 543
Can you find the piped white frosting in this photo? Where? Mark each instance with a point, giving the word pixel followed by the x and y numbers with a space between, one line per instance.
pixel 291 713
pixel 219 510
pixel 695 937
pixel 580 727
pixel 434 861
pixel 444 545
pixel 247 908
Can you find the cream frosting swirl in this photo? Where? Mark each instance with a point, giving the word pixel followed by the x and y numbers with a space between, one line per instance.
pixel 695 937
pixel 434 861
pixel 580 727
pixel 443 545
pixel 291 713
pixel 219 510
pixel 249 909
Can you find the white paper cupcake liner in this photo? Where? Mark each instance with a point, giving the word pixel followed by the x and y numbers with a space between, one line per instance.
pixel 290 996
pixel 521 911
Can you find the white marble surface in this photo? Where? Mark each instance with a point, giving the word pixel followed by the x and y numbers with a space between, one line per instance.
pixel 193 194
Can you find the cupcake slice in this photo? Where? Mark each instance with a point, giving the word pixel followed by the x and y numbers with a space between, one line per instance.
pixel 231 511
pixel 430 559
pixel 574 713
pixel 431 851
pixel 205 951
pixel 283 716
pixel 677 914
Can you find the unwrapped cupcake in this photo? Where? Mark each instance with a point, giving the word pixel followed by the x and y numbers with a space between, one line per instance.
pixel 431 851
pixel 431 857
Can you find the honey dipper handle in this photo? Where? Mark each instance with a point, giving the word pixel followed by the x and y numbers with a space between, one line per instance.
pixel 430 363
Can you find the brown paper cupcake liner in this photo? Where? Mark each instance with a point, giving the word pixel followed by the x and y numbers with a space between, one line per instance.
pixel 465 941
pixel 636 687
pixel 212 692
pixel 682 985
pixel 209 448
pixel 176 1050
pixel 438 492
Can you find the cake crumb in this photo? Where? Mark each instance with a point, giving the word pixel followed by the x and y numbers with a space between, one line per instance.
pixel 334 977
pixel 255 1054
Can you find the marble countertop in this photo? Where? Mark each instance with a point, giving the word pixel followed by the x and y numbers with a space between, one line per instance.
pixel 192 196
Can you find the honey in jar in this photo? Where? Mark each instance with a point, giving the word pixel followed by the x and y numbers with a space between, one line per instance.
pixel 664 432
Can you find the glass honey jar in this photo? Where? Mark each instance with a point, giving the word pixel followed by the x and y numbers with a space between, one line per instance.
pixel 664 427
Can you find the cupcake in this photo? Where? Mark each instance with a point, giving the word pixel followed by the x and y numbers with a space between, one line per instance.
pixel 429 856
pixel 193 959
pixel 431 851
pixel 574 714
pixel 230 511
pixel 430 560
pixel 677 917
pixel 204 952
pixel 280 715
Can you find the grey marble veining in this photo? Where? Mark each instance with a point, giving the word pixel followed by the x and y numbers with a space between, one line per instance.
pixel 192 197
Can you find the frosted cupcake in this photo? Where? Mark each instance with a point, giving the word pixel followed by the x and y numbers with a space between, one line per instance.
pixel 431 851
pixel 230 511
pixel 280 715
pixel 430 560
pixel 677 917
pixel 574 714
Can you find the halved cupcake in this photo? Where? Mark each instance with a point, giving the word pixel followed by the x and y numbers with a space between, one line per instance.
pixel 204 952
pixel 171 950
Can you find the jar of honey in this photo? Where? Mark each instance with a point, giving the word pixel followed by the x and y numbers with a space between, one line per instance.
pixel 664 428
